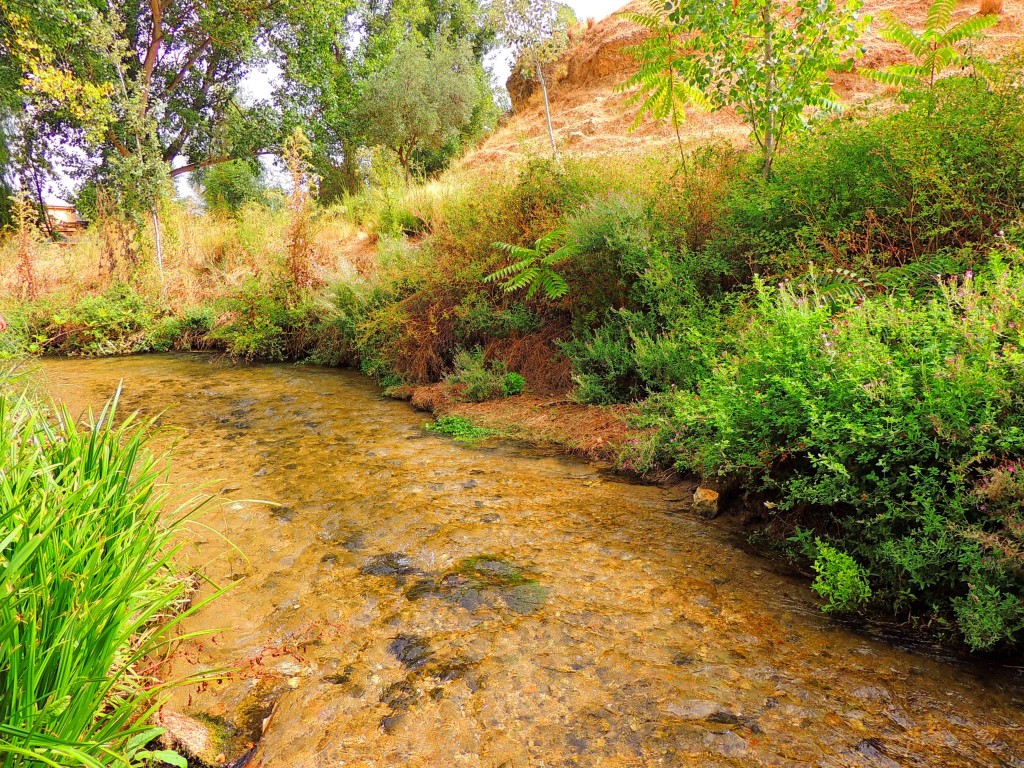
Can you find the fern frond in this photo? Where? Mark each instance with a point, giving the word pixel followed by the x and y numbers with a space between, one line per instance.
pixel 970 27
pixel 546 242
pixel 901 34
pixel 517 251
pixel 556 286
pixel 940 13
pixel 891 76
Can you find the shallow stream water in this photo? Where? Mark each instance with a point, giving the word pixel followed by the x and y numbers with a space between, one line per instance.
pixel 409 601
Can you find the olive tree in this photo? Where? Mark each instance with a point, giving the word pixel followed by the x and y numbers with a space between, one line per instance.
pixel 424 93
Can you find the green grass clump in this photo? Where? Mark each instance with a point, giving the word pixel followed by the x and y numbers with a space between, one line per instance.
pixel 460 429
pixel 89 591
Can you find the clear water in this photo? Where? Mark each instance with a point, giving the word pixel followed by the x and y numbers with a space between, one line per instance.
pixel 414 602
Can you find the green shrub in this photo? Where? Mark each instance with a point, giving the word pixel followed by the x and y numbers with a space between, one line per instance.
pixel 840 580
pixel 110 323
pixel 483 380
pixel 513 384
pixel 871 194
pixel 884 422
pixel 336 333
pixel 478 320
pixel 603 364
pixel 185 332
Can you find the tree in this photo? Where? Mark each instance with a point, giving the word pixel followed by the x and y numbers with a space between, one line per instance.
pixel 767 59
pixel 939 46
pixel 227 187
pixel 537 32
pixel 423 94
pixel 322 85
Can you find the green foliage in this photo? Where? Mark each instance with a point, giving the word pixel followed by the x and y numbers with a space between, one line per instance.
pixel 483 380
pixel 423 96
pixel 264 323
pixel 460 428
pixel 110 323
pixel 89 587
pixel 513 384
pixel 872 195
pixel 604 367
pixel 882 419
pixel 185 332
pixel 767 61
pixel 228 187
pixel 533 268
pixel 941 45
pixel 478 320
pixel 840 580
pixel 661 85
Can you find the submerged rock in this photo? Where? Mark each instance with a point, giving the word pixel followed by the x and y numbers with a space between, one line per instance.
pixel 484 580
pixel 411 651
pixel 392 564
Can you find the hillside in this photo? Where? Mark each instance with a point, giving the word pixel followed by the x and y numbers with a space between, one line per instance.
pixel 591 118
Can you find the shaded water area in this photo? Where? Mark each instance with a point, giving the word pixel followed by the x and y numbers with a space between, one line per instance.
pixel 413 602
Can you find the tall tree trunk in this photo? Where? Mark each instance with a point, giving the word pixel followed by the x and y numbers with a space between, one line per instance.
pixel 158 242
pixel 770 137
pixel 547 107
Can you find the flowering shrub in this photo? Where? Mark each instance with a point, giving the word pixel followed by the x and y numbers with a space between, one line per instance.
pixel 897 425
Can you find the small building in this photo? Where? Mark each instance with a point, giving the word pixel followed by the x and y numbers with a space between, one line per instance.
pixel 64 218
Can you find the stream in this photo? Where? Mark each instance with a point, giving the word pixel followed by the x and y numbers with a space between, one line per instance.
pixel 404 600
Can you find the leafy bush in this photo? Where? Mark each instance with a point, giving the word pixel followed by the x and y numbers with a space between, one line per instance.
pixel 460 428
pixel 478 320
pixel 873 194
pixel 604 366
pixel 89 588
pixel 513 384
pixel 840 580
pixel 110 323
pixel 257 328
pixel 483 380
pixel 189 331
pixel 882 422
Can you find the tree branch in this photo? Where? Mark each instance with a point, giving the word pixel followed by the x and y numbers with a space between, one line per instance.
pixel 187 66
pixel 212 161
pixel 157 9
pixel 122 150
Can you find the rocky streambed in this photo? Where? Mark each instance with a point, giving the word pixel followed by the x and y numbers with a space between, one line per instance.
pixel 398 599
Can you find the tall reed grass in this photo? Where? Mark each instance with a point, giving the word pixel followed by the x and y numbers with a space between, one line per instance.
pixel 88 592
